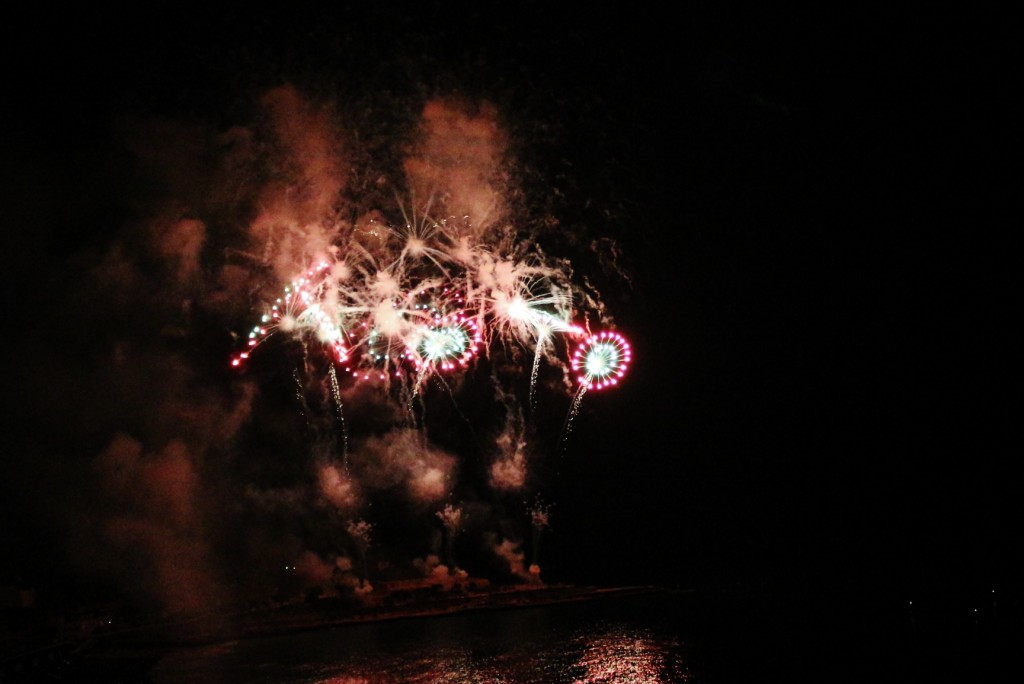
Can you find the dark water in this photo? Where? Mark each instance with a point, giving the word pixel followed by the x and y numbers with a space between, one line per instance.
pixel 671 637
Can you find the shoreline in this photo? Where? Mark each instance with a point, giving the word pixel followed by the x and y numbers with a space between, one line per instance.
pixel 137 649
pixel 329 613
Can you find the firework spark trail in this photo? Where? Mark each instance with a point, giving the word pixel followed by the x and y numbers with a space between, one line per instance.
pixel 448 390
pixel 300 396
pixel 574 409
pixel 336 394
pixel 535 371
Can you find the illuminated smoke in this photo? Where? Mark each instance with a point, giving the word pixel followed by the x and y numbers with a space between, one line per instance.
pixel 293 226
pixel 360 532
pixel 154 521
pixel 432 568
pixel 540 520
pixel 459 156
pixel 401 457
pixel 180 244
pixel 314 570
pixel 451 517
pixel 509 472
pixel 338 488
pixel 510 552
pixel 540 515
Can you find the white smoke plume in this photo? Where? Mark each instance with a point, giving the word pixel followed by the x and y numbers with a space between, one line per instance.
pixel 509 470
pixel 401 459
pixel 338 487
pixel 513 556
pixel 296 220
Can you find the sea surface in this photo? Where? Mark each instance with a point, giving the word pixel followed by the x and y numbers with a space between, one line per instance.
pixel 650 638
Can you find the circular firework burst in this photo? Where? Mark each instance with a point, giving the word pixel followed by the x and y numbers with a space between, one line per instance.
pixel 449 341
pixel 601 360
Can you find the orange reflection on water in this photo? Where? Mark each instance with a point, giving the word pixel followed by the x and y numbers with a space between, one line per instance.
pixel 620 656
pixel 446 666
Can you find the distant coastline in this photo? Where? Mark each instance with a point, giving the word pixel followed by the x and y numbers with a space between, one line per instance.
pixel 137 649
pixel 325 613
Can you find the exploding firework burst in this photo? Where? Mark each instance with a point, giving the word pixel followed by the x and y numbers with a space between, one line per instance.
pixel 299 311
pixel 427 299
pixel 601 360
pixel 449 342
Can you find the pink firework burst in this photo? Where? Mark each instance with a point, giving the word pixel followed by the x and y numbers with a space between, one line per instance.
pixel 601 360
pixel 449 342
pixel 299 309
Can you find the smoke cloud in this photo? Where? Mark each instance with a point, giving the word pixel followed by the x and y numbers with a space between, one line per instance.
pixel 460 155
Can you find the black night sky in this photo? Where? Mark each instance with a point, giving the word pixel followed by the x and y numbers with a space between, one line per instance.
pixel 812 211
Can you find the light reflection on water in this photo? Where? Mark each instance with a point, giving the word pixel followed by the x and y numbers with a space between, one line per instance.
pixel 655 638
pixel 620 656
pixel 595 643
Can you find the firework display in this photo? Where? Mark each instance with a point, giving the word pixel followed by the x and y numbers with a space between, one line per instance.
pixel 426 299
pixel 436 319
